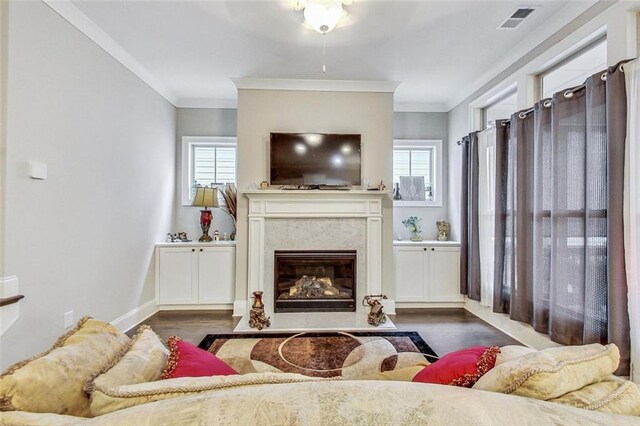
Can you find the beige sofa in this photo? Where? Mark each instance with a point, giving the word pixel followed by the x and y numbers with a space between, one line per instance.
pixel 96 375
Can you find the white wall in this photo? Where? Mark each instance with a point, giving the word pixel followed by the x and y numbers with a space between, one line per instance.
pixel 263 111
pixel 423 125
pixel 200 122
pixel 83 239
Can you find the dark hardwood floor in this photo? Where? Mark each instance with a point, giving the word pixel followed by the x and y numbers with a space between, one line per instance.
pixel 445 330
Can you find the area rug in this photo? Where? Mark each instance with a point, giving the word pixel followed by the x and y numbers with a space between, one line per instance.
pixel 350 355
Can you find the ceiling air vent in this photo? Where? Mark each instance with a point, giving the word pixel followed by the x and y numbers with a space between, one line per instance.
pixel 516 18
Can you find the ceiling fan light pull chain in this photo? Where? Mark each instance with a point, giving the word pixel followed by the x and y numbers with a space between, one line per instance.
pixel 324 54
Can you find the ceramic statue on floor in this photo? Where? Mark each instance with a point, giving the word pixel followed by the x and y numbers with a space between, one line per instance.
pixel 443 230
pixel 257 319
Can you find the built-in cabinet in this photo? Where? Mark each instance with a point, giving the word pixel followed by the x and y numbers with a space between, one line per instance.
pixel 427 272
pixel 195 274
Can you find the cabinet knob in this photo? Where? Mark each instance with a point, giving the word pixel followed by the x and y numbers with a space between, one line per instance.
pixel 200 249
pixel 425 249
pixel 193 249
pixel 433 249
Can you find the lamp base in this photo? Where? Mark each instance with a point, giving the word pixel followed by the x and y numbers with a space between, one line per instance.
pixel 205 222
pixel 205 238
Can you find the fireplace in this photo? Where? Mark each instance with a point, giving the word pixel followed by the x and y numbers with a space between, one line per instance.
pixel 315 281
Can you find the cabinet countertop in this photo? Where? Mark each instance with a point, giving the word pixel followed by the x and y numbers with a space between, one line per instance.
pixel 198 244
pixel 431 243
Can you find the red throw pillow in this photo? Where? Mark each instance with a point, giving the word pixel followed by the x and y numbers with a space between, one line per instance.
pixel 461 368
pixel 188 360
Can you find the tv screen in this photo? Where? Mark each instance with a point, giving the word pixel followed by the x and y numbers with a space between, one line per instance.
pixel 315 159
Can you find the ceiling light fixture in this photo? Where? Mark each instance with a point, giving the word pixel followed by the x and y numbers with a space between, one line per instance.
pixel 323 16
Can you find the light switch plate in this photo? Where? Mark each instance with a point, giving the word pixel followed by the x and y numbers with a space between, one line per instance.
pixel 37 170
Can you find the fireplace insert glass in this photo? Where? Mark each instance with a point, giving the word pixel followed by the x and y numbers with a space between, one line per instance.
pixel 320 281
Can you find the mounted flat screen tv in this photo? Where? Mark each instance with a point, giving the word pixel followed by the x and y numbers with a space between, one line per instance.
pixel 315 159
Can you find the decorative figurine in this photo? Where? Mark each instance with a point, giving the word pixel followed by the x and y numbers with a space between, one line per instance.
pixel 381 187
pixel 264 185
pixel 443 230
pixel 257 319
pixel 216 235
pixel 376 315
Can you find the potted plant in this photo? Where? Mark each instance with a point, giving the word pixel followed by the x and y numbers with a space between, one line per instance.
pixel 413 224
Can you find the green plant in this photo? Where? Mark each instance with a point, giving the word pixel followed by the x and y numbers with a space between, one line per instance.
pixel 413 224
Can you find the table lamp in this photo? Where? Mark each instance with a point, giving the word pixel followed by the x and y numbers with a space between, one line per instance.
pixel 205 197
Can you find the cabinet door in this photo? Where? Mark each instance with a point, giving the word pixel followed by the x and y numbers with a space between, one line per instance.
pixel 178 280
pixel 410 274
pixel 216 274
pixel 444 274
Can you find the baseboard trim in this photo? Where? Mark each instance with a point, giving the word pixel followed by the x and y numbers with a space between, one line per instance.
pixel 207 307
pixel 428 305
pixel 132 318
pixel 523 333
pixel 240 308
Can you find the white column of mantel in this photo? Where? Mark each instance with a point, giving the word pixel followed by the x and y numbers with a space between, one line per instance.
pixel 374 255
pixel 255 258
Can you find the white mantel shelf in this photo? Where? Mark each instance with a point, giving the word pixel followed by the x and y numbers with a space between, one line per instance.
pixel 198 244
pixel 430 243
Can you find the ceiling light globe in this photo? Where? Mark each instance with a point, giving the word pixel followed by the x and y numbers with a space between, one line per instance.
pixel 324 16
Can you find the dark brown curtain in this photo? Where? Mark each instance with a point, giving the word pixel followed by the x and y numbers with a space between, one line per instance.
pixel 470 244
pixel 559 239
pixel 464 216
pixel 501 294
pixel 617 304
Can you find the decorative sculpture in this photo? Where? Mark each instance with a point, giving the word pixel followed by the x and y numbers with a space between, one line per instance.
pixel 376 315
pixel 257 319
pixel 443 230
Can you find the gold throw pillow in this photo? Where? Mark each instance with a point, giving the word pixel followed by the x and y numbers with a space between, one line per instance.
pixel 53 381
pixel 552 372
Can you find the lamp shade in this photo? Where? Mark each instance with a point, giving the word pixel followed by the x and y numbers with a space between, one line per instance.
pixel 205 197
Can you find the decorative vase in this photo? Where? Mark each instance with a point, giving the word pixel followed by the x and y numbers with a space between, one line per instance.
pixel 257 300
pixel 415 236
pixel 396 192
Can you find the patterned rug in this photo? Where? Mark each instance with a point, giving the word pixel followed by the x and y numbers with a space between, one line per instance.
pixel 349 355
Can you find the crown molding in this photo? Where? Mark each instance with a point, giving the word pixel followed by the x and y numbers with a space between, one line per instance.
pixel 86 26
pixel 207 103
pixel 316 85
pixel 419 107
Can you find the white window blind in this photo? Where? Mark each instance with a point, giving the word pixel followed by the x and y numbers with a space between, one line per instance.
pixel 206 161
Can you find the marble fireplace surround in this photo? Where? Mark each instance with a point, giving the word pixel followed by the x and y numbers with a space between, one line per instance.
pixel 313 220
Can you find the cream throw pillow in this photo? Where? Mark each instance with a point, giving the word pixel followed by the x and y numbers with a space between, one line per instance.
pixel 143 360
pixel 53 382
pixel 106 399
pixel 509 352
pixel 612 395
pixel 552 372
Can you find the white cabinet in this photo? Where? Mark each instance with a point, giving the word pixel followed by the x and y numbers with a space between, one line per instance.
pixel 427 273
pixel 196 274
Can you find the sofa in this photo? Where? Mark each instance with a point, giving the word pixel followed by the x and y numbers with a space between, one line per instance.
pixel 96 375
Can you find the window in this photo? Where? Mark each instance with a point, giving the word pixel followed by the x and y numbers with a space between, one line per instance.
pixel 501 109
pixel 574 70
pixel 419 158
pixel 207 161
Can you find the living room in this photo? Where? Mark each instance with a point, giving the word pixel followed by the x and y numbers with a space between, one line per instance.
pixel 102 104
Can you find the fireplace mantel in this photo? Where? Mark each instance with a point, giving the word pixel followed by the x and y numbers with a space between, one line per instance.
pixel 283 204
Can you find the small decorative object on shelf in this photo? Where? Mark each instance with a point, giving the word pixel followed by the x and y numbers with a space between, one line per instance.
pixel 443 230
pixel 382 186
pixel 180 237
pixel 257 319
pixel 396 192
pixel 216 235
pixel 413 224
pixel 264 185
pixel 376 315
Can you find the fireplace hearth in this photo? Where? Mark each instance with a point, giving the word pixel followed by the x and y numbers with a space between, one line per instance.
pixel 315 281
